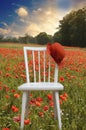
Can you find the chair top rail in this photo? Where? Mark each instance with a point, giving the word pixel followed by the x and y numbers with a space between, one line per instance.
pixel 35 48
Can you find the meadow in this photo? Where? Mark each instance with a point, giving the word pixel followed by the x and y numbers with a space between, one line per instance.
pixel 72 74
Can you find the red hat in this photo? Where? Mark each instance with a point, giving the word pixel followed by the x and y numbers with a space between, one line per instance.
pixel 56 50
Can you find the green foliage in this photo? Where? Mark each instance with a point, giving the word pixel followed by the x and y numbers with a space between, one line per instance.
pixel 26 39
pixel 43 38
pixel 1 37
pixel 73 28
pixel 57 37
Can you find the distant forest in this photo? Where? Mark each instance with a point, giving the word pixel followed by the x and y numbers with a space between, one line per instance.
pixel 71 32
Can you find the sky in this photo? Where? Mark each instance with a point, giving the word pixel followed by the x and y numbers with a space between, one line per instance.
pixel 20 17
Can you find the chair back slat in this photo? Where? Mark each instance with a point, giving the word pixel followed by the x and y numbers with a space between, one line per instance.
pixel 56 73
pixel 26 65
pixel 44 65
pixel 49 71
pixel 39 68
pixel 34 67
pixel 39 65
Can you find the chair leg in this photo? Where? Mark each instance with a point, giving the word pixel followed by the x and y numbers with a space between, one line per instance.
pixel 24 104
pixel 27 104
pixel 57 112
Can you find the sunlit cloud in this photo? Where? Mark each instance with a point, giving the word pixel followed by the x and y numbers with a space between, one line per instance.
pixel 33 29
pixel 22 12
pixel 4 31
pixel 43 20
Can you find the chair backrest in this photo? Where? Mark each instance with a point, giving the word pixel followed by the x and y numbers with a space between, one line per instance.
pixel 40 67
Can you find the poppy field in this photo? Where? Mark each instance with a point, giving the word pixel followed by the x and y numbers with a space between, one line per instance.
pixel 72 74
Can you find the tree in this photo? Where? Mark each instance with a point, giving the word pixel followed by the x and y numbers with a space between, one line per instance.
pixel 57 37
pixel 1 37
pixel 31 39
pixel 43 38
pixel 72 28
pixel 27 39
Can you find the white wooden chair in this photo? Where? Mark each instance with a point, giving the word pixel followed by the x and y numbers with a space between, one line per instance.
pixel 40 82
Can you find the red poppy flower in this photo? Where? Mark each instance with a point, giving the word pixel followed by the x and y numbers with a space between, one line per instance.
pixel 5 129
pixel 16 95
pixel 64 97
pixel 56 50
pixel 14 109
pixel 38 103
pixel 27 121
pixel 61 79
pixel 41 114
pixel 50 97
pixel 7 96
pixel 46 108
pixel 39 99
pixel 51 104
pixel 17 118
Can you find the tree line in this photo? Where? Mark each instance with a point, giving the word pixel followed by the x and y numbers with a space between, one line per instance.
pixel 71 32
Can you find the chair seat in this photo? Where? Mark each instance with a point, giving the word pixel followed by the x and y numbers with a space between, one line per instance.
pixel 41 86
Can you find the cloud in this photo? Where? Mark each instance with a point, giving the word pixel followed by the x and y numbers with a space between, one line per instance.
pixel 14 30
pixel 78 3
pixel 17 29
pixel 44 19
pixel 33 29
pixel 5 24
pixel 4 31
pixel 67 4
pixel 22 12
